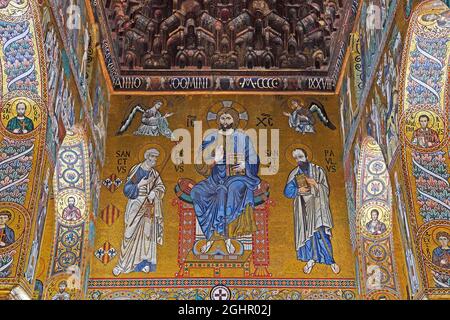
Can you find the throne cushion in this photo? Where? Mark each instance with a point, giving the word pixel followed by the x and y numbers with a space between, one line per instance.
pixel 184 187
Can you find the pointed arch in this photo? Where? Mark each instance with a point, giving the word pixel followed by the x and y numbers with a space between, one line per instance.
pixel 424 109
pixel 376 262
pixel 23 111
pixel 71 187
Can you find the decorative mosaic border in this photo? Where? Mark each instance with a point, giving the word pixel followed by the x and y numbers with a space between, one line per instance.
pixel 99 283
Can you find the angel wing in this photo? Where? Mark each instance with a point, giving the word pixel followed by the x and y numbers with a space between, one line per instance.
pixel 317 107
pixel 129 119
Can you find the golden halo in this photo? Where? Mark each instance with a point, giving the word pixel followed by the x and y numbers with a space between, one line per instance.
pixel 8 211
pixel 33 111
pixel 292 147
pixel 147 103
pixel 364 216
pixel 436 231
pixel 53 283
pixel 80 203
pixel 431 115
pixel 12 104
pixel 431 17
pixel 162 99
pixel 215 108
pixel 291 100
pixel 162 153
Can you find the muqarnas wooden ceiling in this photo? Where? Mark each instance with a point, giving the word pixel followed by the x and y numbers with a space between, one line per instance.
pixel 225 44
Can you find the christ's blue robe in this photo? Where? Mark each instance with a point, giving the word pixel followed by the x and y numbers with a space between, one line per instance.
pixel 220 199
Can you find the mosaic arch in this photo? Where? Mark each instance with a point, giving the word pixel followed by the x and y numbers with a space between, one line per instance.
pixel 23 110
pixel 268 261
pixel 378 273
pixel 70 253
pixel 424 137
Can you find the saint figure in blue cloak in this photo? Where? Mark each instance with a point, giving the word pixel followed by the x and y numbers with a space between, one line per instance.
pixel 308 186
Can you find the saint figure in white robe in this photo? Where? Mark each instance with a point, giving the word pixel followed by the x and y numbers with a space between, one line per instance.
pixel 143 218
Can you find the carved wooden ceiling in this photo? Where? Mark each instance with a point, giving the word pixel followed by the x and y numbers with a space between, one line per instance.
pixel 161 45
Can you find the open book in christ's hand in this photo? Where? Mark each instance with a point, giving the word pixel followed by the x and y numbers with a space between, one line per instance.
pixel 233 165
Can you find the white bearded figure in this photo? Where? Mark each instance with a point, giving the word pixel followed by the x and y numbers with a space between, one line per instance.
pixel 143 217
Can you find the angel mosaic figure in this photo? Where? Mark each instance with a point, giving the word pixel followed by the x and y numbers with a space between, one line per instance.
pixel 302 118
pixel 153 123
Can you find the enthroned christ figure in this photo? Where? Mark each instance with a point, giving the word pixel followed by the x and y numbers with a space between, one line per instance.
pixel 224 202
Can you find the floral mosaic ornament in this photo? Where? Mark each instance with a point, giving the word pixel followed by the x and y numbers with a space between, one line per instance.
pixel 424 108
pixel 22 132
